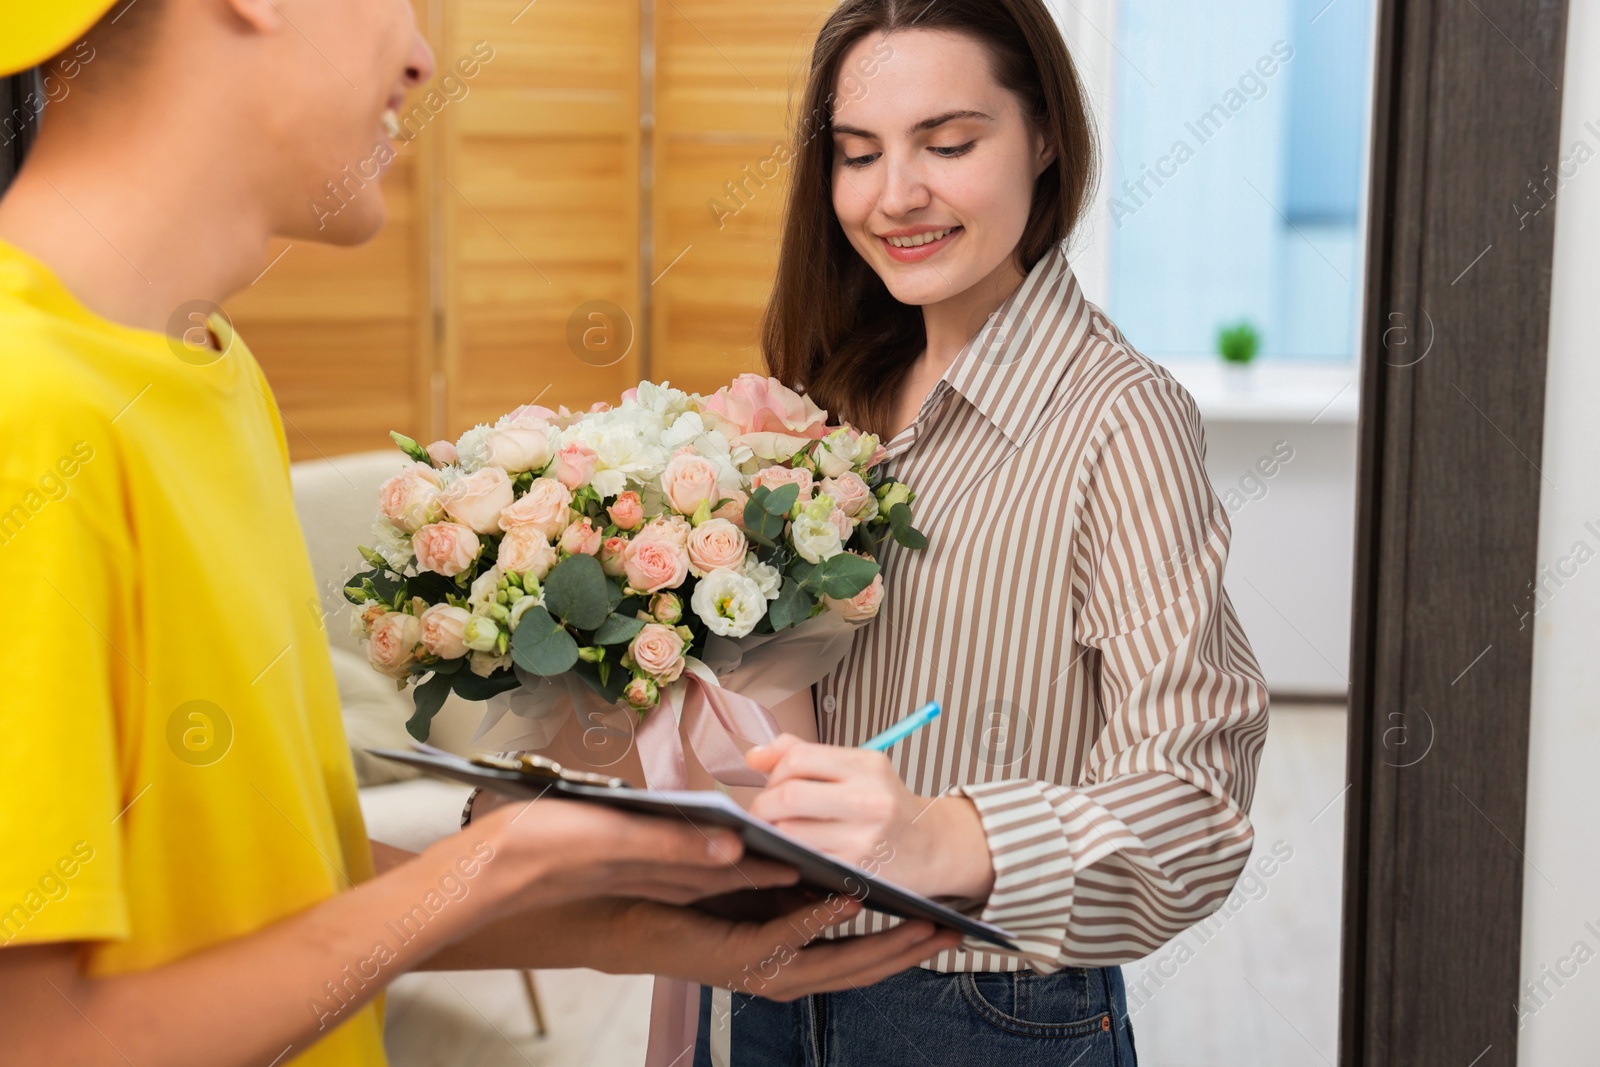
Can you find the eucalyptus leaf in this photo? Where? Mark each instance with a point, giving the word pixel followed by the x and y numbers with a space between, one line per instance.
pixel 428 698
pixel 575 591
pixel 905 533
pixel 469 686
pixel 618 630
pixel 542 645
pixel 843 576
pixel 781 499
pixel 792 607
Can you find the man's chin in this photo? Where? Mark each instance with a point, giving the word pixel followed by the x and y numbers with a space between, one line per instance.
pixel 354 222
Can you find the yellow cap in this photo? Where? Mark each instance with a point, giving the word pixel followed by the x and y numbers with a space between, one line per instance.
pixel 32 31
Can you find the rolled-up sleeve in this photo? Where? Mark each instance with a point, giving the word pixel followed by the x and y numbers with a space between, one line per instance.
pixel 1155 831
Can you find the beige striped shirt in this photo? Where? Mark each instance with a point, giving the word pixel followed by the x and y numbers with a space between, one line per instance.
pixel 1103 709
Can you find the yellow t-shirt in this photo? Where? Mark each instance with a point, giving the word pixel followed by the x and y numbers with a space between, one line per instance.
pixel 173 767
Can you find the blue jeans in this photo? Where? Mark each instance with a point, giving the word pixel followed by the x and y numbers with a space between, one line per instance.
pixel 1076 1017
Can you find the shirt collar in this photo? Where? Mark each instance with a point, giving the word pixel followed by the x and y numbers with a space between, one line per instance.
pixel 1010 368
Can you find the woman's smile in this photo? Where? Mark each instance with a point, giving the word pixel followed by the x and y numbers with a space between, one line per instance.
pixel 918 243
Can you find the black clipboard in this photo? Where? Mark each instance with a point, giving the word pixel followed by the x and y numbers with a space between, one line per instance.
pixel 531 777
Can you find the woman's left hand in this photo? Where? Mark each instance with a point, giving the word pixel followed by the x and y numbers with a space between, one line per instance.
pixel 849 803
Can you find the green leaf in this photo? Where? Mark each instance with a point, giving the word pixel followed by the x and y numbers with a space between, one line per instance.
pixel 781 499
pixel 429 698
pixel 844 575
pixel 469 686
pixel 801 571
pixel 410 447
pixel 792 607
pixel 434 588
pixel 905 533
pixel 575 591
pixel 448 666
pixel 617 630
pixel 542 645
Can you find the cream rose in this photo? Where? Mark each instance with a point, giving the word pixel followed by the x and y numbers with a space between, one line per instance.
pixel 478 499
pixel 816 539
pixel 446 548
pixel 733 510
pixel 689 481
pixel 654 563
pixel 411 498
pixel 716 544
pixel 658 651
pixel 392 646
pixel 442 628
pixel 849 490
pixel 672 528
pixel 517 449
pixel 442 453
pixel 777 477
pixel 546 507
pixel 525 550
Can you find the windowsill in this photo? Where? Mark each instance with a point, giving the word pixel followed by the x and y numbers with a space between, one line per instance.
pixel 1271 391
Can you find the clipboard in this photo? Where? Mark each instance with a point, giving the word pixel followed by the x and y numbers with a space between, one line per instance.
pixel 529 777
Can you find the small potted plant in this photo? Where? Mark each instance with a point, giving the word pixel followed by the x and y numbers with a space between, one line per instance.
pixel 1238 345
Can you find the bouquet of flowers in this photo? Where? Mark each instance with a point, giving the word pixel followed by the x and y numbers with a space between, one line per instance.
pixel 609 547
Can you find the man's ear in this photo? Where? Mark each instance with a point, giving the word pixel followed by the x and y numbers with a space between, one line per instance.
pixel 262 16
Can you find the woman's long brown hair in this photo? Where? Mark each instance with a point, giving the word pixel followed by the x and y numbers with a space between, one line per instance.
pixel 832 328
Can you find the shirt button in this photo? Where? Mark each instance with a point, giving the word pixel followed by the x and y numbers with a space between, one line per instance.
pixel 829 704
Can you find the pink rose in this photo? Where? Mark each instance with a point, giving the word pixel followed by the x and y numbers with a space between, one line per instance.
pixel 733 510
pixel 777 477
pixel 841 522
pixel 442 627
pixel 446 548
pixel 581 539
pixel 442 453
pixel 478 499
pixel 369 616
pixel 658 651
pixel 392 646
pixel 546 506
pixel 755 404
pixel 667 608
pixel 849 490
pixel 612 553
pixel 411 498
pixel 516 449
pixel 654 563
pixel 575 465
pixel 527 417
pixel 689 481
pixel 673 528
pixel 716 544
pixel 642 694
pixel 627 511
pixel 524 549
pixel 864 605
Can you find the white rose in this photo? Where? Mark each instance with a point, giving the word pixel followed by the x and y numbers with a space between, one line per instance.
pixel 768 578
pixel 729 603
pixel 515 450
pixel 815 539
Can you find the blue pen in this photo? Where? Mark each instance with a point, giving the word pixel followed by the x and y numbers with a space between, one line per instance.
pixel 904 728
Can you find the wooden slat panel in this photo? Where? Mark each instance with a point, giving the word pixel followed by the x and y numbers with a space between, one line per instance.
pixel 724 102
pixel 541 202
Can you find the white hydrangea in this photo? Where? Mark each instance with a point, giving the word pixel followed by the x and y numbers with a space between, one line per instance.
pixel 626 442
pixel 662 400
pixel 729 603
pixel 472 449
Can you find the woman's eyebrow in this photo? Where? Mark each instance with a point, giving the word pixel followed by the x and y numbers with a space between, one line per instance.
pixel 926 124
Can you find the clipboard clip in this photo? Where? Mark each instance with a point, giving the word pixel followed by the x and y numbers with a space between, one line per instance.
pixel 532 765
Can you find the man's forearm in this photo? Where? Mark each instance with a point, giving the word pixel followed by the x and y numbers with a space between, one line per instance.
pixel 588 933
pixel 244 1001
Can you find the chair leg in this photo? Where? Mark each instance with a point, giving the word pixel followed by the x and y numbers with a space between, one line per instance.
pixel 533 1003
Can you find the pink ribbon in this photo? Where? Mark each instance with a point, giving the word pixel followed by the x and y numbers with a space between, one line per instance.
pixel 712 717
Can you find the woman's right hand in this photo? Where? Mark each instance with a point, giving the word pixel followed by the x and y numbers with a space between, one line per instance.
pixel 548 852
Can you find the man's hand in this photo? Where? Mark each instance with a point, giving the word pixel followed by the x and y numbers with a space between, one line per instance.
pixel 781 959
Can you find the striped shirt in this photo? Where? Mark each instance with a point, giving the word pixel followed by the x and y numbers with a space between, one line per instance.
pixel 1103 709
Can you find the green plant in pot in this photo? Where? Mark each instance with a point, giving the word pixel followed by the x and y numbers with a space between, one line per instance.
pixel 1239 343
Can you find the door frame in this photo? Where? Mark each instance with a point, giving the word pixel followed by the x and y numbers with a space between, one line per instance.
pixel 1467 115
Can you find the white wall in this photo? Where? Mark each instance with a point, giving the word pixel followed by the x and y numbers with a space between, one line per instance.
pixel 1561 899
